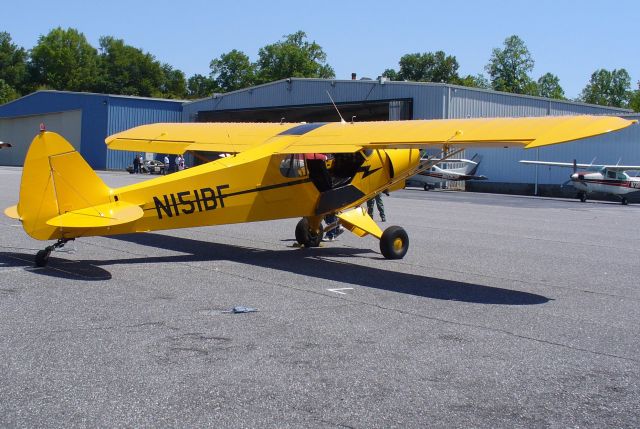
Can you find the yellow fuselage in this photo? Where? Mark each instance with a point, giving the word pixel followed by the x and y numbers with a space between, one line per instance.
pixel 244 189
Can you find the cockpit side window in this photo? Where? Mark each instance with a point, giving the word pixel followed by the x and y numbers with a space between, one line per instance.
pixel 611 174
pixel 293 166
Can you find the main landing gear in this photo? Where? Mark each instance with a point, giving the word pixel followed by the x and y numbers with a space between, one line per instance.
pixel 582 196
pixel 305 236
pixel 42 257
pixel 394 241
pixel 624 201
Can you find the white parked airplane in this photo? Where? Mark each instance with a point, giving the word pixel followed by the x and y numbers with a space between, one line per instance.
pixel 430 178
pixel 608 179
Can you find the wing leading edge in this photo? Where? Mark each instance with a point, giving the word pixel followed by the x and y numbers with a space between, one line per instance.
pixel 611 167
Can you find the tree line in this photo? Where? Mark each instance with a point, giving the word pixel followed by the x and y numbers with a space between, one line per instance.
pixel 63 59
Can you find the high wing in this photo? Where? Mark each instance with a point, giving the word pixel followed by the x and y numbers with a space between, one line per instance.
pixel 495 132
pixel 178 138
pixel 622 167
pixel 561 164
pixel 611 167
pixel 352 137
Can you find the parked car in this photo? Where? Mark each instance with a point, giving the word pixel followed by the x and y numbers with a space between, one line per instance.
pixel 149 166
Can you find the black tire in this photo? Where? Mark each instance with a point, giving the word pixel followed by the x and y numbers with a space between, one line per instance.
pixel 426 187
pixel 304 237
pixel 314 240
pixel 394 242
pixel 42 257
pixel 625 201
pixel 583 197
pixel 302 231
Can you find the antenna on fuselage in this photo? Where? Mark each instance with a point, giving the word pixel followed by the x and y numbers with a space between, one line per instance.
pixel 336 107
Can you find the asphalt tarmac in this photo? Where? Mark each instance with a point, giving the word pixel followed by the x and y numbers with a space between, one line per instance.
pixel 507 311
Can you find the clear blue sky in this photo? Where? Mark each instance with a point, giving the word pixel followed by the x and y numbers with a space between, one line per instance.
pixel 571 39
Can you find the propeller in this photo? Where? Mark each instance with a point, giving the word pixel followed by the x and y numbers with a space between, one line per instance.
pixel 575 166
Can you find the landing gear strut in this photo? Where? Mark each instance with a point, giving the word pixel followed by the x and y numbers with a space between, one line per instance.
pixel 42 257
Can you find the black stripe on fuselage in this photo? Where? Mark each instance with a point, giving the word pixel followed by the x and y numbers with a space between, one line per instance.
pixel 263 188
pixel 269 187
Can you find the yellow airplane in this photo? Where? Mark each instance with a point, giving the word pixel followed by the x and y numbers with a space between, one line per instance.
pixel 277 171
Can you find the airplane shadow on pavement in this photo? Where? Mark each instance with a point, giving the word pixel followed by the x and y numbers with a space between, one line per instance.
pixel 305 262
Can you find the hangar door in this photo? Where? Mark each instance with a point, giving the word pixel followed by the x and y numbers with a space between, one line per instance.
pixel 360 111
pixel 20 131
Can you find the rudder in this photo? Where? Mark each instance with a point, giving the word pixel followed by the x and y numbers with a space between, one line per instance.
pixel 55 180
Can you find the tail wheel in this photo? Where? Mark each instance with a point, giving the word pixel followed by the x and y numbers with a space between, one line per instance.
pixel 394 242
pixel 305 237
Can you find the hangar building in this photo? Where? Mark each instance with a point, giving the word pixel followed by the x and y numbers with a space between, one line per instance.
pixel 84 119
pixel 298 99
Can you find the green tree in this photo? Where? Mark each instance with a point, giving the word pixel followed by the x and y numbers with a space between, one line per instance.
pixel 232 71
pixel 634 102
pixel 477 81
pixel 292 57
pixel 549 87
pixel 174 84
pixel 126 70
pixel 7 93
pixel 13 64
pixel 391 74
pixel 64 60
pixel 199 86
pixel 509 67
pixel 429 67
pixel 608 88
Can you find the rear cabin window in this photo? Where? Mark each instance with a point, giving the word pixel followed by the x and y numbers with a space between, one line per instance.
pixel 293 166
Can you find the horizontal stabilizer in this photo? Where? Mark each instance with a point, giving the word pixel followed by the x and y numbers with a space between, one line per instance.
pixel 12 212
pixel 104 215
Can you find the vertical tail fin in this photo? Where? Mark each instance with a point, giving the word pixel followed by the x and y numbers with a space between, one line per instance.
pixel 472 168
pixel 55 180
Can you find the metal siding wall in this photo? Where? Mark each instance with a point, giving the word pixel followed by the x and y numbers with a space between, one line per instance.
pixel 427 99
pixel 45 102
pixel 502 166
pixel 21 131
pixel 97 113
pixel 125 113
